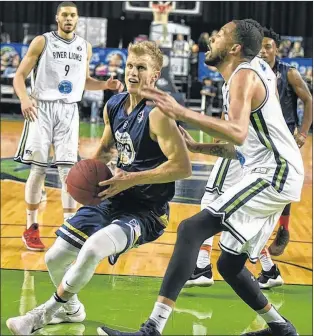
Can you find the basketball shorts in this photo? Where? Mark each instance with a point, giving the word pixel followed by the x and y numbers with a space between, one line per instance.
pixel 140 225
pixel 249 210
pixel 224 175
pixel 58 125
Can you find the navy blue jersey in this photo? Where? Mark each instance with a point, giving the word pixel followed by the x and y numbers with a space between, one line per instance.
pixel 288 98
pixel 138 152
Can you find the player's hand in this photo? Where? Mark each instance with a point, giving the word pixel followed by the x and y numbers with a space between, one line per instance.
pixel 29 109
pixel 121 181
pixel 190 142
pixel 167 104
pixel 300 139
pixel 114 85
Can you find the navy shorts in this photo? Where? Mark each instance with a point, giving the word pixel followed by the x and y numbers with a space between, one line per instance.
pixel 141 225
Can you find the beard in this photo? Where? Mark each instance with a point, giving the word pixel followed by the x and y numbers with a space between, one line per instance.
pixel 215 60
pixel 68 30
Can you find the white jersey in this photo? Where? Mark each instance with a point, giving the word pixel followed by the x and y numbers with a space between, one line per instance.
pixel 269 147
pixel 60 73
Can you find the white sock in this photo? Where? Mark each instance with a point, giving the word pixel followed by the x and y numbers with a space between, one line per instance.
pixel 160 315
pixel 67 215
pixel 265 260
pixel 52 306
pixel 204 254
pixel 272 316
pixel 31 217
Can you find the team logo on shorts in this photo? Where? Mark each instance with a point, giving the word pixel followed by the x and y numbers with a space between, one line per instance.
pixel 65 87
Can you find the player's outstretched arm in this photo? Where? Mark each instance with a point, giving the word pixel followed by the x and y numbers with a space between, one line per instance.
pixel 103 152
pixel 233 130
pixel 302 91
pixel 28 62
pixel 94 84
pixel 224 150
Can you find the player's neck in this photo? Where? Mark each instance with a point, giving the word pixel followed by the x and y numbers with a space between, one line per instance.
pixel 272 63
pixel 133 101
pixel 66 36
pixel 226 69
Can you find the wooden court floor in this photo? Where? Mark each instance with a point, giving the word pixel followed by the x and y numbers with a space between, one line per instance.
pixel 151 259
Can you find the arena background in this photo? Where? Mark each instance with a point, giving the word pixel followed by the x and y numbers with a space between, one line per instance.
pixel 123 295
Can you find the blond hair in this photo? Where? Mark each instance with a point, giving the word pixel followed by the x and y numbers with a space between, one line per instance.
pixel 148 48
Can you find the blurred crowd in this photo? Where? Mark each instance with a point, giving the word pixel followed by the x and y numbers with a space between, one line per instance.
pixel 210 87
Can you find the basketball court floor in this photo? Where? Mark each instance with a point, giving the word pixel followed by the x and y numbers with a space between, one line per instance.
pixel 123 295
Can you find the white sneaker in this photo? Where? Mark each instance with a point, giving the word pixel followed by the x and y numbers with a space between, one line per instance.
pixel 64 315
pixel 27 324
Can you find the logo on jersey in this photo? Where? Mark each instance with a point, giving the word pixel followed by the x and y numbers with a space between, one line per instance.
pixel 126 152
pixel 278 74
pixel 240 157
pixel 65 87
pixel 125 125
pixel 140 116
pixel 79 48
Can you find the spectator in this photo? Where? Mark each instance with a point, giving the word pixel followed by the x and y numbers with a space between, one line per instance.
pixel 210 91
pixel 297 50
pixel 284 48
pixel 10 70
pixel 203 42
pixel 180 46
pixel 194 62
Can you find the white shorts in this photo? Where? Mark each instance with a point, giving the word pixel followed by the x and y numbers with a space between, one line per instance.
pixel 58 125
pixel 224 175
pixel 250 210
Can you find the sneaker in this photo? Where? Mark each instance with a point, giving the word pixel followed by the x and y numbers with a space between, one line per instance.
pixel 113 259
pixel 201 277
pixel 275 329
pixel 32 240
pixel 147 329
pixel 270 279
pixel 281 241
pixel 64 315
pixel 27 324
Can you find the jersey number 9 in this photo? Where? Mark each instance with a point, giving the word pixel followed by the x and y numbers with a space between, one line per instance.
pixel 67 69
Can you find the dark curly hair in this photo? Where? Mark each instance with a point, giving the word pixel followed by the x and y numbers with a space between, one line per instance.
pixel 270 33
pixel 249 34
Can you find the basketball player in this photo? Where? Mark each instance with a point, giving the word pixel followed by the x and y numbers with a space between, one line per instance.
pixel 151 155
pixel 290 86
pixel 59 61
pixel 246 213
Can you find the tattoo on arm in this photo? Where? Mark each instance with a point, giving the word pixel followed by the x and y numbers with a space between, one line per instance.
pixel 221 150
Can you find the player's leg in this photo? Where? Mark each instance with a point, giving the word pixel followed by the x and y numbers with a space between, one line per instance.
pixel 65 139
pixel 283 236
pixel 191 234
pixel 58 260
pixel 91 232
pixel 33 149
pixel 247 213
pixel 68 203
pixel 270 275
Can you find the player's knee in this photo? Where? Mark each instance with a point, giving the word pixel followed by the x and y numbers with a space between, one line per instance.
pixel 37 174
pixel 229 265
pixel 60 254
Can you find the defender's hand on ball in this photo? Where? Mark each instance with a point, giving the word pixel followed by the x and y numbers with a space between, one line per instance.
pixel 121 181
pixel 167 104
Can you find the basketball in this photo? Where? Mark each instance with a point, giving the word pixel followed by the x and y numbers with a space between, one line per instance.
pixel 83 178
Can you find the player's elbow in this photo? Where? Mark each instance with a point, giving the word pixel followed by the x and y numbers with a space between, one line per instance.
pixel 184 170
pixel 239 138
